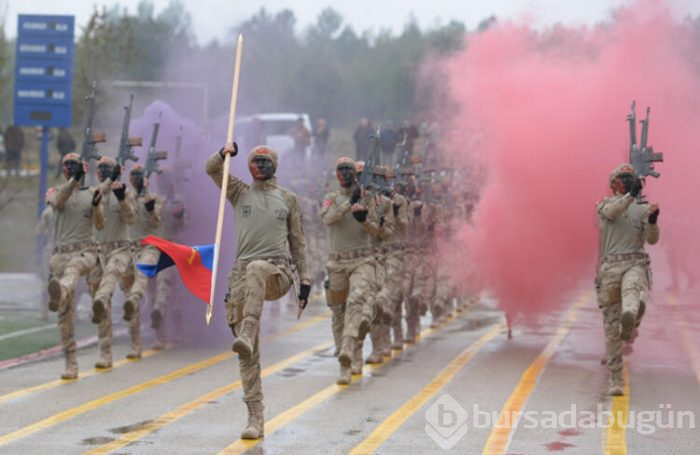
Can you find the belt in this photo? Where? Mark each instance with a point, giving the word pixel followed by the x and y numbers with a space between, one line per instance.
pixel 110 246
pixel 624 257
pixel 354 254
pixel 73 247
pixel 277 260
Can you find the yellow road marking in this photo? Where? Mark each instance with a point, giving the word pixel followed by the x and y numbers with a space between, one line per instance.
pixel 294 412
pixel 187 408
pixel 499 439
pixel 615 442
pixel 59 382
pixel 124 393
pixel 688 345
pixel 395 420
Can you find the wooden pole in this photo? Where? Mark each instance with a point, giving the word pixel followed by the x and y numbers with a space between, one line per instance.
pixel 224 182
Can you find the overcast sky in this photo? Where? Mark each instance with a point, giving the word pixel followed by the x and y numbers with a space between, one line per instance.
pixel 212 18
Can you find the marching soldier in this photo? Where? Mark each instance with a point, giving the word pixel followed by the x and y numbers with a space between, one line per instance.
pixel 77 210
pixel 115 254
pixel 149 215
pixel 622 280
pixel 351 219
pixel 270 243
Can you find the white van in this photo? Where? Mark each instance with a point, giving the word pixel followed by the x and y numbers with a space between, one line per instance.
pixel 271 129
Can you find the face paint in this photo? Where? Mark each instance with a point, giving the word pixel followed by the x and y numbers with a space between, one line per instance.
pixel 346 176
pixel 70 168
pixel 261 168
pixel 137 181
pixel 103 171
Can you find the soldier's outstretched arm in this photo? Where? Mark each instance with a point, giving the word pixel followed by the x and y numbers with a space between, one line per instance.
pixel 98 214
pixel 215 169
pixel 57 199
pixel 330 212
pixel 156 215
pixel 613 207
pixel 297 242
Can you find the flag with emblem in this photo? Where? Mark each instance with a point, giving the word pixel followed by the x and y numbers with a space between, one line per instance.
pixel 194 264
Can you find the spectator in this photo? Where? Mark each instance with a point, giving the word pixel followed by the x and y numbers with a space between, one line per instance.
pixel 320 136
pixel 361 137
pixel 388 139
pixel 408 133
pixel 302 138
pixel 14 143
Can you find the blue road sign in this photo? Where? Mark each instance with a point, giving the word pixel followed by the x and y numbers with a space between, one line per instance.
pixel 44 71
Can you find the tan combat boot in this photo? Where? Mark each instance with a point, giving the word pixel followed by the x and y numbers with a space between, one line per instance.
pixel 105 360
pixel 135 333
pixel 375 357
pixel 617 384
pixel 245 342
pixel 398 339
pixel 345 376
pixel 71 367
pixel 56 294
pixel 356 364
pixel 628 322
pixel 256 422
pixel 347 349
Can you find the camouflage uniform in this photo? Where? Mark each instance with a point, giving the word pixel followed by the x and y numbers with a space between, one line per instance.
pixel 351 270
pixel 174 220
pixel 270 243
pixel 622 280
pixel 147 223
pixel 74 255
pixel 424 276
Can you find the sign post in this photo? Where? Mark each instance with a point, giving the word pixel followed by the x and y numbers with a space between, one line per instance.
pixel 43 79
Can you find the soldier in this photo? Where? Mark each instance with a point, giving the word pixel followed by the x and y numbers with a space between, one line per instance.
pixel 383 311
pixel 270 243
pixel 77 210
pixel 412 257
pixel 351 219
pixel 115 254
pixel 623 274
pixel 174 221
pixel 149 215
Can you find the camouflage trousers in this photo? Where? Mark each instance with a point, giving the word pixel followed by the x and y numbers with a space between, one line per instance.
pixel 250 284
pixel 163 302
pixel 115 267
pixel 621 287
pixel 441 303
pixel 351 283
pixel 410 274
pixel 143 255
pixel 424 282
pixel 390 296
pixel 67 268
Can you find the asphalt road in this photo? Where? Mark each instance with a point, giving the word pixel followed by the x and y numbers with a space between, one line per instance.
pixel 452 390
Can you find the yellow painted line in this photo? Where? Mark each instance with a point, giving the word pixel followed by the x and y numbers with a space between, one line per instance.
pixel 124 393
pixel 59 382
pixel 688 345
pixel 500 436
pixel 395 420
pixel 187 408
pixel 615 438
pixel 294 412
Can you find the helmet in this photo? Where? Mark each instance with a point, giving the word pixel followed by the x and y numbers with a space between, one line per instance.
pixel 264 152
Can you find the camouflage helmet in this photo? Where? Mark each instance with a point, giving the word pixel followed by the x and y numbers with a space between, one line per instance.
pixel 624 168
pixel 71 157
pixel 137 169
pixel 264 152
pixel 107 160
pixel 344 161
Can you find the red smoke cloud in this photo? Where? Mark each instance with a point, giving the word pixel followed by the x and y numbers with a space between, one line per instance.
pixel 549 107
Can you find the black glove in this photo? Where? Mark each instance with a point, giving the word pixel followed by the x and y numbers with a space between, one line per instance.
pixel 96 198
pixel 116 173
pixel 396 208
pixel 360 215
pixel 654 216
pixel 120 192
pixel 381 221
pixel 356 194
pixel 304 291
pixel 635 187
pixel 150 204
pixel 79 172
pixel 235 151
pixel 417 210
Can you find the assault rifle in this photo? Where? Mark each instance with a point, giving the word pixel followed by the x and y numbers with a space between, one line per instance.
pixel 126 143
pixel 153 155
pixel 90 137
pixel 373 159
pixel 642 157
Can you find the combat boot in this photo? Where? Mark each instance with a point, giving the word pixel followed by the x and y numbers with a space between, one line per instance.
pixel 71 367
pixel 356 364
pixel 98 310
pixel 56 294
pixel 628 322
pixel 617 384
pixel 256 422
pixel 135 352
pixel 245 342
pixel 345 376
pixel 347 349
pixel 105 361
pixel 398 339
